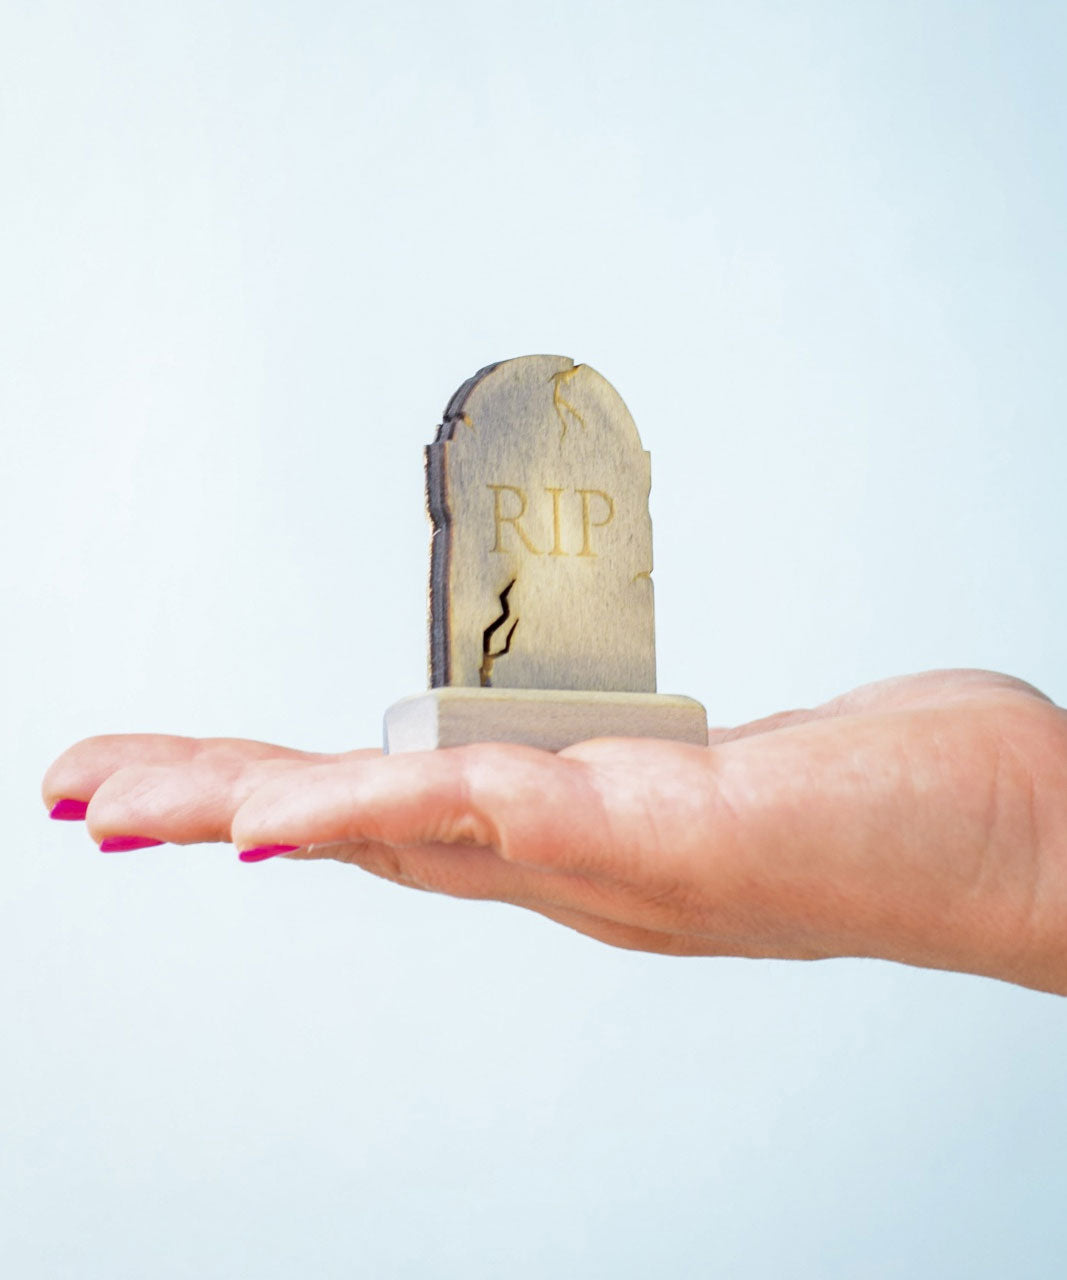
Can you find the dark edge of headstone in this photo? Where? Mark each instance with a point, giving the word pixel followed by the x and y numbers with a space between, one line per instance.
pixel 454 409
pixel 441 532
pixel 440 546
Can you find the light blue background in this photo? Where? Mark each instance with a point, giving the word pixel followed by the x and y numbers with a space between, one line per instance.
pixel 248 251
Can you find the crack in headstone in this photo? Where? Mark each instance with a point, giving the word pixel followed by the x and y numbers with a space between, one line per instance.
pixel 485 672
pixel 563 407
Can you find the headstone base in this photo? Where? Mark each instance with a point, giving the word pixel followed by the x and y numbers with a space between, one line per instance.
pixel 452 716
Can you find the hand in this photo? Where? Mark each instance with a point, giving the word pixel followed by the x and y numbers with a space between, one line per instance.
pixel 922 820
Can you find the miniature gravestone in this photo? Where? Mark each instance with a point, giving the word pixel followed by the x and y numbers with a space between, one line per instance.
pixel 542 629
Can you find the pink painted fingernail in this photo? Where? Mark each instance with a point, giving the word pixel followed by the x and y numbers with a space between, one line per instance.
pixel 68 810
pixel 120 844
pixel 264 851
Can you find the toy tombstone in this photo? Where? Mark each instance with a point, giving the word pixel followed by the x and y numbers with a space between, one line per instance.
pixel 542 627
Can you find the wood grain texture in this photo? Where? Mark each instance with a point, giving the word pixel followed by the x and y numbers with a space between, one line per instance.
pixel 541 561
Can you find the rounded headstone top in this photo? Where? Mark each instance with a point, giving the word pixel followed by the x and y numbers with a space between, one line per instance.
pixel 576 396
pixel 541 562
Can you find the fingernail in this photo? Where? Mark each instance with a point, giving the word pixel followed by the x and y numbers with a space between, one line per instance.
pixel 68 810
pixel 264 851
pixel 120 844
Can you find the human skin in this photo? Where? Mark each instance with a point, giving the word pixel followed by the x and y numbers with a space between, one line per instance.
pixel 922 819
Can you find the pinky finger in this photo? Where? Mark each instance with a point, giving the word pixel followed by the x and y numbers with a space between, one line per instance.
pixel 457 870
pixel 625 936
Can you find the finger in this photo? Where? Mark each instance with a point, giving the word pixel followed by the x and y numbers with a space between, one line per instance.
pixel 528 805
pixel 766 724
pixel 458 871
pixel 591 908
pixel 476 873
pixel 628 937
pixel 472 872
pixel 596 813
pixel 187 802
pixel 79 771
pixel 927 689
pixel 82 768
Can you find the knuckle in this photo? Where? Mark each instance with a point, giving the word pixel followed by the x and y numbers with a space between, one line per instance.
pixel 463 827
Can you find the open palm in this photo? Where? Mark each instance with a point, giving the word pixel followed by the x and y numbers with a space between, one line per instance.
pixel 922 819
